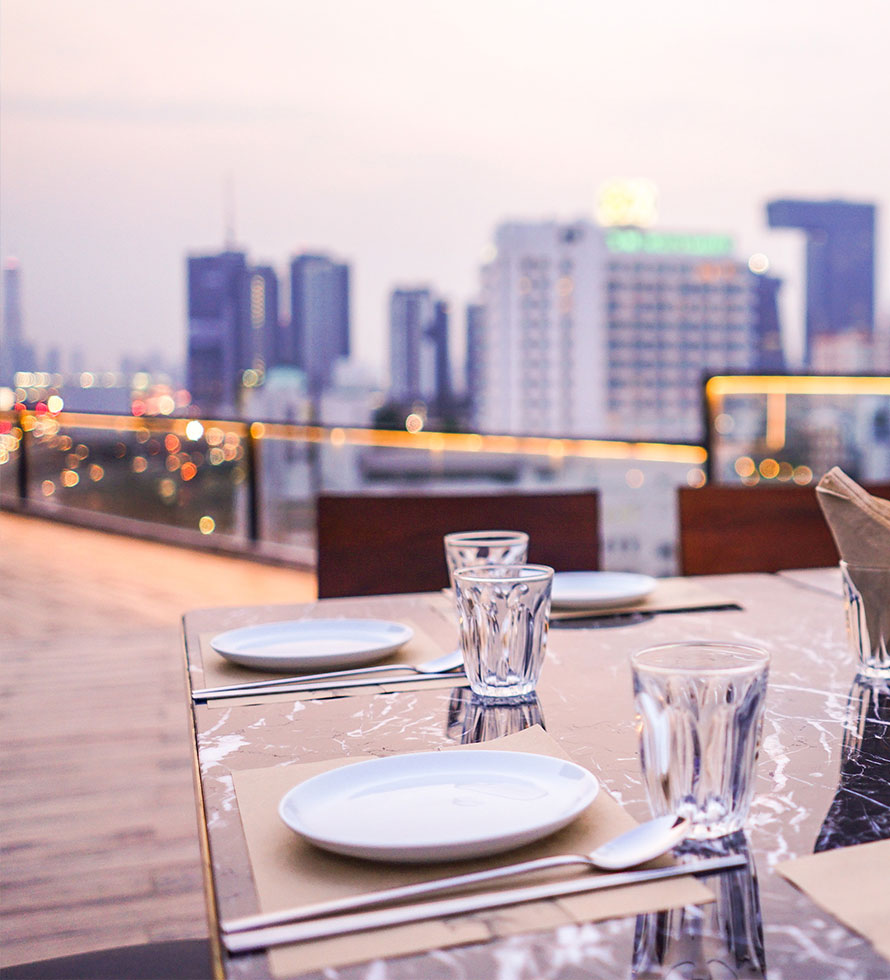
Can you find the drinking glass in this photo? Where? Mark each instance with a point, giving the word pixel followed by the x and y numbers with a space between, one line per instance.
pixel 504 618
pixel 700 716
pixel 867 604
pixel 466 548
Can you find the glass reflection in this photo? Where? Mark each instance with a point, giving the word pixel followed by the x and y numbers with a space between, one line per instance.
pixel 475 719
pixel 860 810
pixel 722 940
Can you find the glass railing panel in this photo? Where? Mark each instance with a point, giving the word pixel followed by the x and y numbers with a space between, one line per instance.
pixel 177 473
pixel 10 457
pixel 637 482
pixel 782 428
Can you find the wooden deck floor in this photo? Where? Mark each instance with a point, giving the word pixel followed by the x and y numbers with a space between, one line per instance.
pixel 99 842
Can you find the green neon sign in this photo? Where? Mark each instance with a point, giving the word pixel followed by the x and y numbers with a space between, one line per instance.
pixel 633 240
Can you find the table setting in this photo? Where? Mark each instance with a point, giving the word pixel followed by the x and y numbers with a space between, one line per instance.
pixel 461 794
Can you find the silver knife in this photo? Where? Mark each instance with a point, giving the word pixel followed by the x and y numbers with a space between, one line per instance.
pixel 459 681
pixel 265 938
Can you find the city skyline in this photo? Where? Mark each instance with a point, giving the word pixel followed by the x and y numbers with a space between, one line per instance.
pixel 403 156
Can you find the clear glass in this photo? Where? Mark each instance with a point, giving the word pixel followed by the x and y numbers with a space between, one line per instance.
pixel 700 715
pixel 867 603
pixel 504 619
pixel 465 549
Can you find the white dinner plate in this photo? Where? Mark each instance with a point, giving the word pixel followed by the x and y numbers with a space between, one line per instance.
pixel 311 644
pixel 595 590
pixel 438 806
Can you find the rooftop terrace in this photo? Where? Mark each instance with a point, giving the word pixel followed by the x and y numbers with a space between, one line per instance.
pixel 99 842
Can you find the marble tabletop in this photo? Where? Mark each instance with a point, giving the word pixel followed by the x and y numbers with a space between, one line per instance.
pixel 823 781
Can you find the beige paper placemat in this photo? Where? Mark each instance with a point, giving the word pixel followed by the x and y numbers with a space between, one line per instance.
pixel 289 871
pixel 851 884
pixel 218 671
pixel 669 595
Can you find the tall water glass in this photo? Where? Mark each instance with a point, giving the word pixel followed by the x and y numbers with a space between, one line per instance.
pixel 700 716
pixel 464 549
pixel 504 618
pixel 867 604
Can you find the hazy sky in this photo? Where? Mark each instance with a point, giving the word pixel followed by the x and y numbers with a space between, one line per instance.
pixel 396 134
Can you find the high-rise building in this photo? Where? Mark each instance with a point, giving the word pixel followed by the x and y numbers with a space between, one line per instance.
pixel 419 361
pixel 233 327
pixel 840 270
pixel 475 324
pixel 15 353
pixel 319 323
pixel 268 338
pixel 586 331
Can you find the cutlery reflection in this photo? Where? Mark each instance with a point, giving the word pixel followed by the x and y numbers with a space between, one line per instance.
pixel 635 846
pixel 446 664
pixel 340 925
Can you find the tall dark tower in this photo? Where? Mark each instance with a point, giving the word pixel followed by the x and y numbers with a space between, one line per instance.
pixel 319 323
pixel 219 328
pixel 840 265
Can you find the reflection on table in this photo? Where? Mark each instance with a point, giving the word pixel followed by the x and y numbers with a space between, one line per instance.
pixel 719 941
pixel 475 719
pixel 860 810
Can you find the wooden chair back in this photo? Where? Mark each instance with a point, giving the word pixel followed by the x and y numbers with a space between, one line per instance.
pixel 374 544
pixel 727 529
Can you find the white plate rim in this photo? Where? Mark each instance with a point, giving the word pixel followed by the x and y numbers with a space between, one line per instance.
pixel 480 843
pixel 390 636
pixel 637 586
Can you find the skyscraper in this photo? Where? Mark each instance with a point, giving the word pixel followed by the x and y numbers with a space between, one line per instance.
pixel 267 346
pixel 587 331
pixel 233 327
pixel 319 323
pixel 217 318
pixel 15 353
pixel 419 361
pixel 840 267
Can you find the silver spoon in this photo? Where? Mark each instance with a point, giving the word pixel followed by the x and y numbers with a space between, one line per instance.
pixel 636 846
pixel 439 665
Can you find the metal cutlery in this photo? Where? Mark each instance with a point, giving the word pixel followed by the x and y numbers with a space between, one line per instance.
pixel 641 843
pixel 265 938
pixel 444 665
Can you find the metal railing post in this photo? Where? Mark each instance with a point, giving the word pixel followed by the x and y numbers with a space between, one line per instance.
pixel 252 455
pixel 23 461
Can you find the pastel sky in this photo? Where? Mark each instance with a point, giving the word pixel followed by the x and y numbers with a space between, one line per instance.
pixel 396 134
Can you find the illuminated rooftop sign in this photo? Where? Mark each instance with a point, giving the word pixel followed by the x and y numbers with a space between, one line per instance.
pixel 633 240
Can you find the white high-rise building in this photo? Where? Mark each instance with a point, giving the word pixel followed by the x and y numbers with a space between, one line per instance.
pixel 540 366
pixel 586 331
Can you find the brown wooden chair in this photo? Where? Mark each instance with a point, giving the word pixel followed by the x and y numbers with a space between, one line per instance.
pixel 754 529
pixel 371 544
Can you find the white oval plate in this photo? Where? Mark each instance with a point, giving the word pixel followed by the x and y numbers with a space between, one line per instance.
pixel 595 590
pixel 438 806
pixel 311 644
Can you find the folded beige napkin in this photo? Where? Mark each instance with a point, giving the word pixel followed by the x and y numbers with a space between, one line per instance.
pixel 851 884
pixel 859 521
pixel 218 671
pixel 289 871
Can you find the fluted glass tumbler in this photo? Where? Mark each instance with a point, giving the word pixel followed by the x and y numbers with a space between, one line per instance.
pixel 867 602
pixel 464 549
pixel 700 716
pixel 504 618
